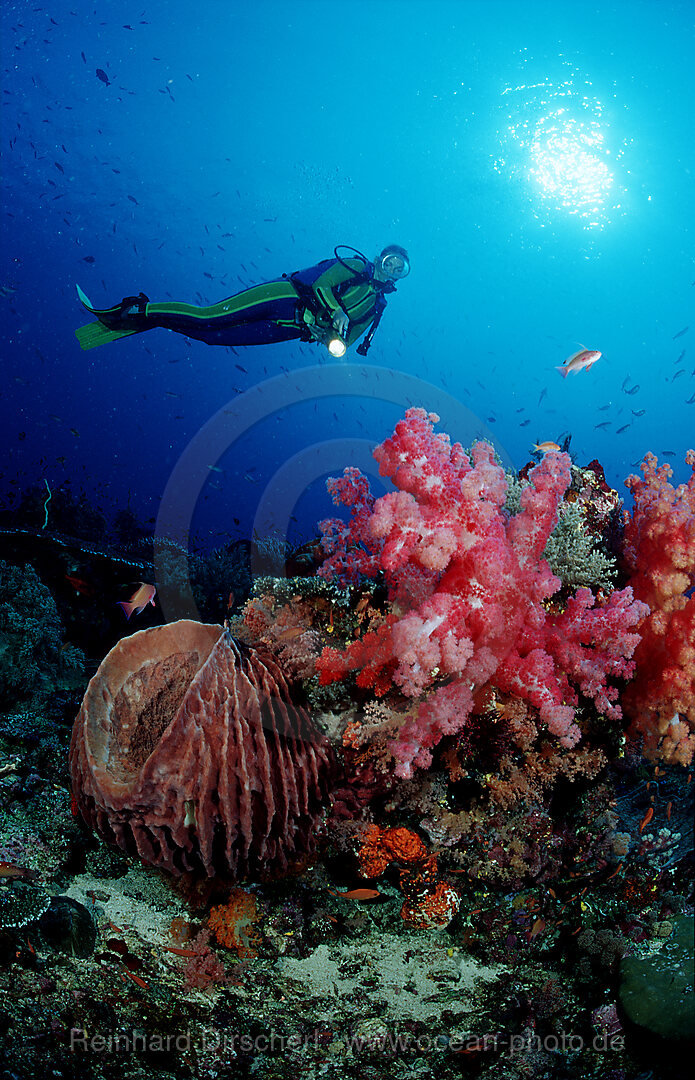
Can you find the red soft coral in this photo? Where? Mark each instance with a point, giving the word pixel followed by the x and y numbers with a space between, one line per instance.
pixel 371 656
pixel 479 613
pixel 349 551
pixel 659 550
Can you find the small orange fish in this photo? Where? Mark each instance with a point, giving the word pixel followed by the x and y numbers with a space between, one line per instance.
pixel 357 894
pixel 290 633
pixel 136 979
pixel 546 447
pixel 647 818
pixel 583 358
pixel 142 596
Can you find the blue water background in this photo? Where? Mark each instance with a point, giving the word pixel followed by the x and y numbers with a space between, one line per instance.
pixel 237 141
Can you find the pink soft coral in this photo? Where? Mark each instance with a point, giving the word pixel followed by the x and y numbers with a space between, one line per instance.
pixel 478 612
pixel 659 550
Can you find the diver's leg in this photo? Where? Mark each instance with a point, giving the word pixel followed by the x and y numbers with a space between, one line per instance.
pixel 258 332
pixel 260 315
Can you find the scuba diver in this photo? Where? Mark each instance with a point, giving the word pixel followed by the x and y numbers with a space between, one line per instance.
pixel 334 303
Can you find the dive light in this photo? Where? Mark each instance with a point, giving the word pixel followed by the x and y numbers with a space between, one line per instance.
pixel 336 346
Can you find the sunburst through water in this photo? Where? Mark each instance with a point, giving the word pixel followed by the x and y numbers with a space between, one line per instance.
pixel 555 143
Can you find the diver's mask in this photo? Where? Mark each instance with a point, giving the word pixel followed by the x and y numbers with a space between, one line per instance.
pixel 394 263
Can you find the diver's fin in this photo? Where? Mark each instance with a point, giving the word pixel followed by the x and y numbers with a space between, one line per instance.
pixel 95 333
pixel 84 299
pixel 99 333
pixel 87 303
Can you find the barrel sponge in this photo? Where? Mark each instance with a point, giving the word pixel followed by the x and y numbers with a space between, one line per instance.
pixel 189 752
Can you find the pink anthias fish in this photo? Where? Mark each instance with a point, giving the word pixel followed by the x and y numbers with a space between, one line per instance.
pixel 583 358
pixel 142 596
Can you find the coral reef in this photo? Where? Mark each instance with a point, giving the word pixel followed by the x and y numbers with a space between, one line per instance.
pixel 469 881
pixel 470 593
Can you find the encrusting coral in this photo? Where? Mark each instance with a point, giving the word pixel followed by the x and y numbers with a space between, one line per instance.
pixel 189 752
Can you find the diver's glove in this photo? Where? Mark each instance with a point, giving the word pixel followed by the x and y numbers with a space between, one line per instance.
pixel 334 342
pixel 341 323
pixel 328 336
